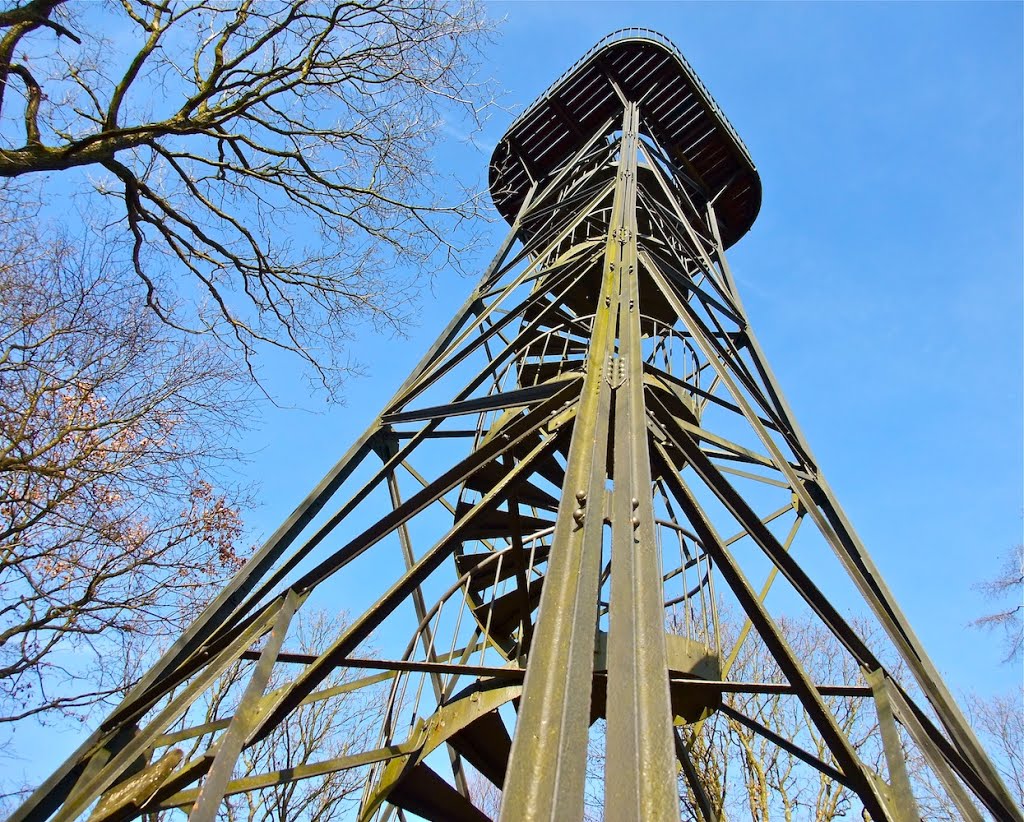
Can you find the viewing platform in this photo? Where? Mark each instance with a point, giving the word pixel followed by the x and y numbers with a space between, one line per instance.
pixel 676 109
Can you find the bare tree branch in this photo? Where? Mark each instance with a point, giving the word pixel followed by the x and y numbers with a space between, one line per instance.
pixel 1007 584
pixel 346 722
pixel 278 152
pixel 112 527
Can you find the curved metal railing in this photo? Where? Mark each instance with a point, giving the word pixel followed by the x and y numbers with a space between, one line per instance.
pixel 639 33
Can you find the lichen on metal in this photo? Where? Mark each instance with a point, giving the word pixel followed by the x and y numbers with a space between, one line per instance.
pixel 556 501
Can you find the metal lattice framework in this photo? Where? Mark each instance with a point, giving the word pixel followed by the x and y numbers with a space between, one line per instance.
pixel 592 451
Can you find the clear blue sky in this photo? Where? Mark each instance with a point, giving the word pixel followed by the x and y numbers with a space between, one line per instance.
pixel 884 273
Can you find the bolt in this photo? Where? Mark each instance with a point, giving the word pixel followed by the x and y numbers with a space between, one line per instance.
pixel 578 515
pixel 635 503
pixel 636 522
pixel 581 496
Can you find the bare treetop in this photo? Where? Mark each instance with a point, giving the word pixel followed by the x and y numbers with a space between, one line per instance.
pixel 1007 589
pixel 277 151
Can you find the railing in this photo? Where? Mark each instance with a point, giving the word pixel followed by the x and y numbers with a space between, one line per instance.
pixel 691 607
pixel 639 33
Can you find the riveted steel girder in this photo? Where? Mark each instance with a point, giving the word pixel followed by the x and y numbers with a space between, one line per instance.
pixel 597 456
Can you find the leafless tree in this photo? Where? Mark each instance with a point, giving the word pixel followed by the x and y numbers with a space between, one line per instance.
pixel 275 152
pixel 999 721
pixel 485 795
pixel 999 718
pixel 347 722
pixel 244 174
pixel 113 519
pixel 1007 589
pixel 750 777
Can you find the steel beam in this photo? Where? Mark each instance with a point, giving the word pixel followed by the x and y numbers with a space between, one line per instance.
pixel 640 761
pixel 547 769
pixel 604 225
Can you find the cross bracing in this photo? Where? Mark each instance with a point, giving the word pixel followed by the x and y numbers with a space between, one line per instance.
pixel 591 461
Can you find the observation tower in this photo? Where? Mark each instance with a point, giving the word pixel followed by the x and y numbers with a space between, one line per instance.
pixel 558 538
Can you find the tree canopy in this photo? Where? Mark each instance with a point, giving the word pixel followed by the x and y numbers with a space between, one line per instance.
pixel 276 153
pixel 182 186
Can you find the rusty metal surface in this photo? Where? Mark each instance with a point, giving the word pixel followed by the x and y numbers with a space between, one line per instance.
pixel 585 464
pixel 678 111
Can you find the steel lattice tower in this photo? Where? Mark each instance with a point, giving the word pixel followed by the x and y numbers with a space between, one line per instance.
pixel 592 456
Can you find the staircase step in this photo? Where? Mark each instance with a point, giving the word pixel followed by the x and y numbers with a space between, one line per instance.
pixel 555 345
pixel 490 474
pixel 511 564
pixel 535 373
pixel 495 524
pixel 547 466
pixel 552 318
pixel 504 612
pixel 486 745
pixel 423 792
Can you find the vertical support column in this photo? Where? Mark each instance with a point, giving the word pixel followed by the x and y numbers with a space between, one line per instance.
pixel 547 768
pixel 640 767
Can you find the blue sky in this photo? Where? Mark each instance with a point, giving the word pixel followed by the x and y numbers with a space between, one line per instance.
pixel 884 273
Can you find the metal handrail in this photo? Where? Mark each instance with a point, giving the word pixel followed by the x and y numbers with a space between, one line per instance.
pixel 639 33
